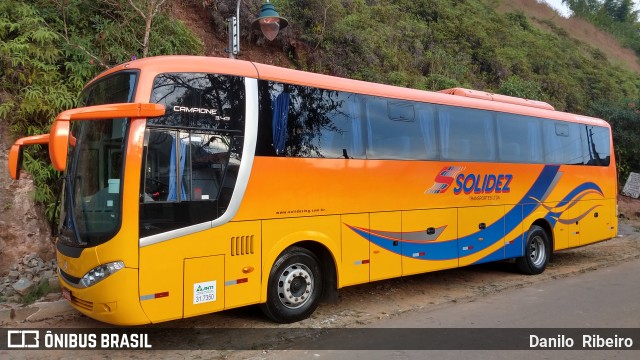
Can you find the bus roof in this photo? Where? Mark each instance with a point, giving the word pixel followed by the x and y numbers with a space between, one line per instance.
pixel 153 66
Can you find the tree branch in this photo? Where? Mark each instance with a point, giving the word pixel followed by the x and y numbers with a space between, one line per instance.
pixel 137 9
pixel 157 8
pixel 69 42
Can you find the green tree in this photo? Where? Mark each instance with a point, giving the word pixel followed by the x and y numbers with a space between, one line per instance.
pixel 34 89
pixel 147 9
pixel 617 17
pixel 620 10
pixel 583 7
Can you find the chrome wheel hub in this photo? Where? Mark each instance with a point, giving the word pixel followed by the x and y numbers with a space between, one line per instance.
pixel 295 286
pixel 537 251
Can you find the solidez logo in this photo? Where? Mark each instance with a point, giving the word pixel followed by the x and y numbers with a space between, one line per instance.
pixel 469 183
pixel 482 184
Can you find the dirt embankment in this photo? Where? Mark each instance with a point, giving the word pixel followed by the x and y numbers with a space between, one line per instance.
pixel 23 228
pixel 541 14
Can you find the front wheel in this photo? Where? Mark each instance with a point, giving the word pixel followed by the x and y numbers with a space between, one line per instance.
pixel 294 288
pixel 536 252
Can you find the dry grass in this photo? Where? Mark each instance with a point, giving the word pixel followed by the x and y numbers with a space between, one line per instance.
pixel 577 28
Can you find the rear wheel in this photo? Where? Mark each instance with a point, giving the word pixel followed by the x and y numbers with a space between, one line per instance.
pixel 294 288
pixel 536 252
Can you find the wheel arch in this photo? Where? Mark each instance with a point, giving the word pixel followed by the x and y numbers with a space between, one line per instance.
pixel 328 265
pixel 546 226
pixel 319 245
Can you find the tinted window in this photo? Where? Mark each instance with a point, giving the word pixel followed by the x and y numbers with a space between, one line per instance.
pixel 192 154
pixel 400 129
pixel 302 121
pixel 519 139
pixel 466 134
pixel 598 146
pixel 200 101
pixel 113 89
pixel 563 143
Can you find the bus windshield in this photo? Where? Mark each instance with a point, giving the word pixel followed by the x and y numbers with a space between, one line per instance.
pixel 91 210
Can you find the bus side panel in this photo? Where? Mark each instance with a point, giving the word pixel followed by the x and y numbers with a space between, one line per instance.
pixel 355 250
pixel 481 234
pixel 613 231
pixel 243 264
pixel 162 271
pixel 161 279
pixel 279 234
pixel 573 227
pixel 429 240
pixel 203 285
pixel 566 235
pixel 386 245
pixel 596 223
pixel 514 239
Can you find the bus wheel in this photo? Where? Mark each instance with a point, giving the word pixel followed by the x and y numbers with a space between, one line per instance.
pixel 536 252
pixel 294 288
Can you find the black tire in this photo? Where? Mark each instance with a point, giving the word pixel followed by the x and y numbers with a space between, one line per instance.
pixel 537 251
pixel 295 286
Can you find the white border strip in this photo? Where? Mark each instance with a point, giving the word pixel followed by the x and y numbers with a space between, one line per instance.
pixel 248 154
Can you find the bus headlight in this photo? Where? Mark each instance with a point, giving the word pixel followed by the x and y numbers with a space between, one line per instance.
pixel 101 272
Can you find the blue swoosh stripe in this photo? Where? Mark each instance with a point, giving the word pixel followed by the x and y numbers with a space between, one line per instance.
pixel 495 232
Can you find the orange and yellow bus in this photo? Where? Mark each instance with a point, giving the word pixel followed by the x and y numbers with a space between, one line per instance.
pixel 196 184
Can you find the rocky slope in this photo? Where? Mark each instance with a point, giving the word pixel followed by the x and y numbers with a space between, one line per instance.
pixel 24 232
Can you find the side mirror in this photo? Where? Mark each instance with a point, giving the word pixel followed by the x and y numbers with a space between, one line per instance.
pixel 15 154
pixel 59 142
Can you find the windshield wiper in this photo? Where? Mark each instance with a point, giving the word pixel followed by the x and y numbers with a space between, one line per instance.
pixel 52 223
pixel 70 218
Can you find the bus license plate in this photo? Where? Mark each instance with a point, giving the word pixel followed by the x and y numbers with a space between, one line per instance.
pixel 66 293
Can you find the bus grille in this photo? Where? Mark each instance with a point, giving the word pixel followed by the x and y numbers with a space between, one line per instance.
pixel 87 305
pixel 241 245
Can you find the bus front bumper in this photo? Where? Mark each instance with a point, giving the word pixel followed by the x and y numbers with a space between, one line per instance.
pixel 113 300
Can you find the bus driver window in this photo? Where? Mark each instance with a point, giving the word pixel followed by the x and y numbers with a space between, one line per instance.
pixel 193 163
pixel 209 155
pixel 158 148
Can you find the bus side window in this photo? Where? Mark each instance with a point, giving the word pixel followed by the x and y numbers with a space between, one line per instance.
pixel 563 143
pixel 159 144
pixel 301 121
pixel 466 135
pixel 399 129
pixel 209 154
pixel 519 139
pixel 597 144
